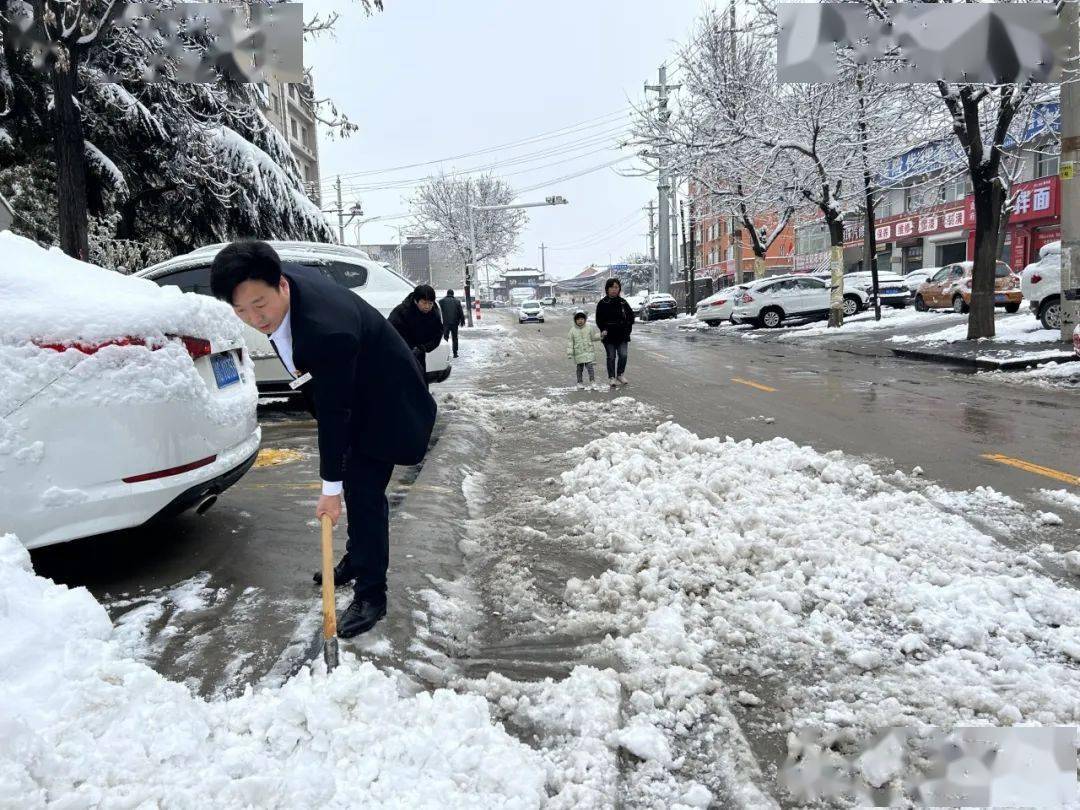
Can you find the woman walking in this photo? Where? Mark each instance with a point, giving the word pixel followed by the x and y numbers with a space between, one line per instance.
pixel 418 323
pixel 615 319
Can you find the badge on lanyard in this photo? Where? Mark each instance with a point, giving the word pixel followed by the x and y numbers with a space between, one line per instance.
pixel 301 380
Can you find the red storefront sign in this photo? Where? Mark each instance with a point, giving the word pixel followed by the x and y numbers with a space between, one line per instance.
pixel 951 217
pixel 1035 199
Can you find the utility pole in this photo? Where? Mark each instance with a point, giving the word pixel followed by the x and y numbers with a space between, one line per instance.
pixel 663 185
pixel 543 261
pixel 340 212
pixel 736 224
pixel 651 210
pixel 674 223
pixel 1070 185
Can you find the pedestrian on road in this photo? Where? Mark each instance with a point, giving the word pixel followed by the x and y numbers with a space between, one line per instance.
pixel 580 348
pixel 615 319
pixel 453 316
pixel 418 323
pixel 361 384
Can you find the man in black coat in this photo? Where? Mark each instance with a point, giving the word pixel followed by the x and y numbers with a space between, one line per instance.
pixel 453 316
pixel 419 325
pixel 362 385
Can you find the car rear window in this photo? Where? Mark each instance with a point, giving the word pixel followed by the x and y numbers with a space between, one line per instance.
pixel 1002 270
pixel 192 279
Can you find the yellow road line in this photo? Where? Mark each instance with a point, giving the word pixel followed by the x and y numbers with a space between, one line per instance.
pixel 1027 466
pixel 758 386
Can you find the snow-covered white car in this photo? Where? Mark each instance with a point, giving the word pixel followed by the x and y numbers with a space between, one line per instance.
pixel 915 279
pixel 717 308
pixel 769 302
pixel 1041 285
pixel 657 306
pixel 376 283
pixel 530 311
pixel 637 301
pixel 859 289
pixel 120 401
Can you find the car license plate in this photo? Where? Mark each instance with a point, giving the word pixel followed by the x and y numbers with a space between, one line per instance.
pixel 892 291
pixel 999 298
pixel 225 371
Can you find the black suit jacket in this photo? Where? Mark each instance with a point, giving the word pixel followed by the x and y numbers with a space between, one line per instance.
pixel 366 390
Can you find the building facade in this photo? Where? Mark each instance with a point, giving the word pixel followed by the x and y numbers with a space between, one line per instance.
pixel 423 261
pixel 927 217
pixel 289 108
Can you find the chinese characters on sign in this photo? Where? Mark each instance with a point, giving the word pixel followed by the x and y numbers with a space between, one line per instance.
pixel 912 225
pixel 1036 199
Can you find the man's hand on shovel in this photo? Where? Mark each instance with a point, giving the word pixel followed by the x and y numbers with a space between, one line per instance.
pixel 329 505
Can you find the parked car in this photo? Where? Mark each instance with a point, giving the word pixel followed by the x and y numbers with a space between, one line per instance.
pixel 915 279
pixel 657 306
pixel 376 283
pixel 531 311
pixel 717 308
pixel 769 302
pixel 1041 285
pixel 859 289
pixel 637 301
pixel 950 287
pixel 126 402
pixel 551 301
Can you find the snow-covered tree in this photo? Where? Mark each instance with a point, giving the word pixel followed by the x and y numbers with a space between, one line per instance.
pixel 450 207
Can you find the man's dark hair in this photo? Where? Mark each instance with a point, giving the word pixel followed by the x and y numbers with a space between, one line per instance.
pixel 449 293
pixel 612 282
pixel 248 260
pixel 423 292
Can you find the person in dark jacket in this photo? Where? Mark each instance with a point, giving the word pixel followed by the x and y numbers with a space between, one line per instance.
pixel 453 316
pixel 615 320
pixel 418 323
pixel 362 385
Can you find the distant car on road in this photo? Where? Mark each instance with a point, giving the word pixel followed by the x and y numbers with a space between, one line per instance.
pixel 769 302
pixel 657 306
pixel 531 311
pixel 950 287
pixel 378 284
pixel 550 301
pixel 1041 285
pixel 129 402
pixel 718 307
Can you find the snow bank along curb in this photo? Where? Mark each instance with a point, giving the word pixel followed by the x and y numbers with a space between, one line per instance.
pixel 971 359
pixel 82 723
pixel 861 604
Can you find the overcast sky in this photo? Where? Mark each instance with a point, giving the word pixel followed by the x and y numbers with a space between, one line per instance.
pixel 431 79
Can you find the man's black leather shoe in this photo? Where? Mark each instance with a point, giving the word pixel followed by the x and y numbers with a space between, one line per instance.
pixel 341 574
pixel 359 617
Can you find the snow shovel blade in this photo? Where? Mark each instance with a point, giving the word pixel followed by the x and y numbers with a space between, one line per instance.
pixel 329 608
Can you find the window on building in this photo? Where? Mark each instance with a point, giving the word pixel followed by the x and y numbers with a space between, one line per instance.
pixel 303 136
pixel 912 198
pixel 883 205
pixel 953 190
pixel 1046 165
pixel 277 103
pixel 294 127
pixel 292 91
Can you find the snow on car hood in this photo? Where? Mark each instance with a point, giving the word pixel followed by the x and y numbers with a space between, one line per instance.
pixel 49 296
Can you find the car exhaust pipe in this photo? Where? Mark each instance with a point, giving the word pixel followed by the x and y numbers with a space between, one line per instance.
pixel 203 506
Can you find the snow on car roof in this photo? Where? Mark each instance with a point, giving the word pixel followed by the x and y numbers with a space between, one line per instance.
pixel 289 251
pixel 49 296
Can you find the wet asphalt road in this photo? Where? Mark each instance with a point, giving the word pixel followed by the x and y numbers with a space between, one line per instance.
pixel 225 600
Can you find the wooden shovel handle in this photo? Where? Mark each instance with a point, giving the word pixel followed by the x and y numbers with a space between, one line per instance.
pixel 329 609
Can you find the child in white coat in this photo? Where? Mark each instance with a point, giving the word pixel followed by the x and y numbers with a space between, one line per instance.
pixel 580 348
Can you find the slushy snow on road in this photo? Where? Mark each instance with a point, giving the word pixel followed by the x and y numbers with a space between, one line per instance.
pixel 83 725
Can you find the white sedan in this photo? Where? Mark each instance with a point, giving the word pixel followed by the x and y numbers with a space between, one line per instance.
pixel 121 401
pixel 530 311
pixel 1041 285
pixel 771 301
pixel 376 283
pixel 718 307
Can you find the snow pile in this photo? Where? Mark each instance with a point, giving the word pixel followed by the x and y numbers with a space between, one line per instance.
pixel 85 726
pixel 864 322
pixel 1048 375
pixel 1020 327
pixel 1061 497
pixel 858 604
pixel 546 410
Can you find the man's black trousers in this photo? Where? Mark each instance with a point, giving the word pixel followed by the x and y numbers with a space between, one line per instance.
pixel 451 331
pixel 368 546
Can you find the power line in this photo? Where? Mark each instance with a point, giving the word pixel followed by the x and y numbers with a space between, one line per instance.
pixel 591 236
pixel 592 123
pixel 574 175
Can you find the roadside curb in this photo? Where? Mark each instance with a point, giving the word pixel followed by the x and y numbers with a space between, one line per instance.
pixel 985 363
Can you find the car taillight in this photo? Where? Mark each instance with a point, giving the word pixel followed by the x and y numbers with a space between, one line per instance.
pixel 92 348
pixel 967 283
pixel 747 298
pixel 196 347
pixel 1035 278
